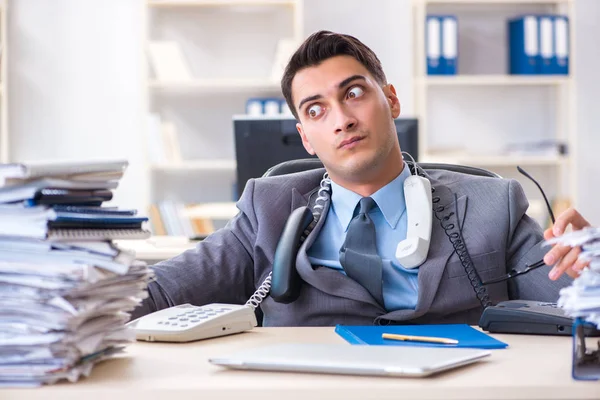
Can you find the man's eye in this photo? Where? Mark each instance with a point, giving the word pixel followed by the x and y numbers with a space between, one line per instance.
pixel 355 92
pixel 314 111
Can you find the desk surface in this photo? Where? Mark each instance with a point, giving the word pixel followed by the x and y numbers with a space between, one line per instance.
pixel 533 367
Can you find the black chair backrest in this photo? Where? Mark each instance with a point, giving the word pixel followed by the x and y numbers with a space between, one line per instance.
pixel 305 164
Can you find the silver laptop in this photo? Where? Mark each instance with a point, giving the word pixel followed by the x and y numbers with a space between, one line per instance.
pixel 351 359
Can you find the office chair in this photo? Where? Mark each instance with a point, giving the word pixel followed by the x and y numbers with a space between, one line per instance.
pixel 305 164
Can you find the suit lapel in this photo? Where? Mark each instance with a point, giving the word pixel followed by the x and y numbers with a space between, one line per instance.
pixel 298 199
pixel 430 273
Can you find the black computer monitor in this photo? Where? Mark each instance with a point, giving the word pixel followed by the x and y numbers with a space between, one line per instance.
pixel 261 143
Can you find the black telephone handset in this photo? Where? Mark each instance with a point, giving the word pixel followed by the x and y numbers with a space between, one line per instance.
pixel 286 283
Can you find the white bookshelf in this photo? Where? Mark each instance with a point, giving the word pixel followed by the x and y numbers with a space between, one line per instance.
pixel 491 161
pixel 219 3
pixel 493 80
pixel 229 48
pixel 547 100
pixel 215 86
pixel 4 136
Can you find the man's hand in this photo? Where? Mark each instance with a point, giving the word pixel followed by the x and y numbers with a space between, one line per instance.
pixel 565 257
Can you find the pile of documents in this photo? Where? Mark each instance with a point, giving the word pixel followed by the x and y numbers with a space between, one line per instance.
pixel 65 289
pixel 582 298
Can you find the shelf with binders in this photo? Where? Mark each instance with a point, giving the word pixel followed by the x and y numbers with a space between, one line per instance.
pixel 461 37
pixel 473 112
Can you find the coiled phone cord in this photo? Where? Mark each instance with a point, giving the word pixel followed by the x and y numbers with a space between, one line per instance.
pixel 323 195
pixel 455 236
pixel 261 293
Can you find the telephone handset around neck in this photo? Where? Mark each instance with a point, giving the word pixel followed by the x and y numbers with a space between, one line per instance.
pixel 411 252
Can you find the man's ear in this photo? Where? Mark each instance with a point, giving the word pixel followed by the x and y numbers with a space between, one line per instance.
pixel 392 98
pixel 305 142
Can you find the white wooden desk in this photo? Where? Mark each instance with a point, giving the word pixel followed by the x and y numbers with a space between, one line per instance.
pixel 533 367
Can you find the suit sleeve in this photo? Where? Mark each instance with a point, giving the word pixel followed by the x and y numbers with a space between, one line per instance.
pixel 525 247
pixel 218 269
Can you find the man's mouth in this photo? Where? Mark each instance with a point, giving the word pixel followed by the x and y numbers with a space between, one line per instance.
pixel 351 142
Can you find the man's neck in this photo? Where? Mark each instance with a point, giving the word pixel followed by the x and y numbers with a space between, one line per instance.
pixel 370 186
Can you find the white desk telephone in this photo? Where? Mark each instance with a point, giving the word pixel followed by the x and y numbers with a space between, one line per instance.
pixel 186 322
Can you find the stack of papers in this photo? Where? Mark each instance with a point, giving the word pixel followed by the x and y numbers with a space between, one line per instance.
pixel 582 298
pixel 66 290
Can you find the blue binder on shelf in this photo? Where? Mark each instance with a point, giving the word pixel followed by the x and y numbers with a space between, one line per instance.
pixel 561 44
pixel 523 40
pixel 546 40
pixel 433 45
pixel 449 44
pixel 466 336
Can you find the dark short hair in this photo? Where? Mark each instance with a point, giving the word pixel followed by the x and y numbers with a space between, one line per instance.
pixel 321 46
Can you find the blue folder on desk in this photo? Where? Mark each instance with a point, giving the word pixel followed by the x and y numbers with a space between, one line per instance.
pixel 466 336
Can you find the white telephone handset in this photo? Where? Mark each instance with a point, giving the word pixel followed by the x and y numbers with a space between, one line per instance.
pixel 412 251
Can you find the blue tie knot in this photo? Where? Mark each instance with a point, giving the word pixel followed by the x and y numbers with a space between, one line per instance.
pixel 366 204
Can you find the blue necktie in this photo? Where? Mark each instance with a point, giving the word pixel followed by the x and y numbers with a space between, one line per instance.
pixel 358 254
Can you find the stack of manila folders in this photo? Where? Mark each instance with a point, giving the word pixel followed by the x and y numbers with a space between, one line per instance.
pixel 65 289
pixel 582 298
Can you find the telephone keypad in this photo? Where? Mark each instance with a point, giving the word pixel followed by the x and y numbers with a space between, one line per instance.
pixel 195 315
pixel 188 322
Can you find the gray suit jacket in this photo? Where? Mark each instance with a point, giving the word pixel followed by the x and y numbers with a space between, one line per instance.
pixel 231 263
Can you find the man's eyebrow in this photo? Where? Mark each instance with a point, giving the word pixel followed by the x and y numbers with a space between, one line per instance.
pixel 353 78
pixel 307 99
pixel 341 85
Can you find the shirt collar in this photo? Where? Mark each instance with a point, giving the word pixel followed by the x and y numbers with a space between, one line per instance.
pixel 389 199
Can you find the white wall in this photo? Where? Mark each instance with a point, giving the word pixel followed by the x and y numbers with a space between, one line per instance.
pixel 75 77
pixel 75 83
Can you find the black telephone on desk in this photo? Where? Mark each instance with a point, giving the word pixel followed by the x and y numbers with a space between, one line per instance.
pixel 529 317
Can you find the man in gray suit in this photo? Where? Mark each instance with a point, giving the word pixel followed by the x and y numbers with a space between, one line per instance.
pixel 337 90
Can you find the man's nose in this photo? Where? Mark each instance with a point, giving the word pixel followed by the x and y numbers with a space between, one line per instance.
pixel 345 120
